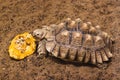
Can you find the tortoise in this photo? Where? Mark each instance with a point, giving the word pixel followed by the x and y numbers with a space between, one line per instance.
pixel 75 40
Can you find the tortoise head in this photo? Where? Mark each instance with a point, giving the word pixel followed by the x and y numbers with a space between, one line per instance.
pixel 44 33
pixel 39 33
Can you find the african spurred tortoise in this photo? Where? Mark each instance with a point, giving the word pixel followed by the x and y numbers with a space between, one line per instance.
pixel 74 40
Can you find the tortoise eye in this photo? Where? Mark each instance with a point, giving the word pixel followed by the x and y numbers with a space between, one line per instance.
pixel 38 34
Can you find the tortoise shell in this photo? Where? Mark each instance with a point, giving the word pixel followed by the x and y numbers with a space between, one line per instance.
pixel 79 41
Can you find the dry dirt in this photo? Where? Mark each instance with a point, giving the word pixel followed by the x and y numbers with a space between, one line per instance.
pixel 18 16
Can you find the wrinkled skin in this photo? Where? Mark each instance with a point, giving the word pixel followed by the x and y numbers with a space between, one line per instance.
pixel 41 36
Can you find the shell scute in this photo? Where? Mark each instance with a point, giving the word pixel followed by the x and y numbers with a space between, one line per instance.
pixel 98 42
pixel 99 57
pixel 72 53
pixel 63 37
pixel 87 56
pixel 63 52
pixel 93 57
pixel 50 46
pixel 55 51
pixel 81 54
pixel 76 39
pixel 88 41
pixel 104 56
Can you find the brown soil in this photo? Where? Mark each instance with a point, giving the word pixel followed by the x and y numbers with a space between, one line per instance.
pixel 18 16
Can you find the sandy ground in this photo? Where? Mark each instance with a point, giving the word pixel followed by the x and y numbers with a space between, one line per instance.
pixel 18 16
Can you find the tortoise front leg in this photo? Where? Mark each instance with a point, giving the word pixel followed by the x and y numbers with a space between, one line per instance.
pixel 41 49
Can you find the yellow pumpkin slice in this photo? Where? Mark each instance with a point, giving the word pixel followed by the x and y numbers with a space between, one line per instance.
pixel 22 46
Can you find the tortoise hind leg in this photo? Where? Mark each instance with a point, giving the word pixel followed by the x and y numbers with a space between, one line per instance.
pixel 103 56
pixel 102 66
